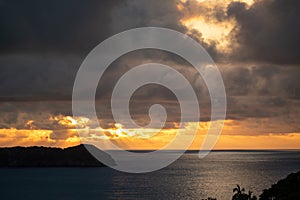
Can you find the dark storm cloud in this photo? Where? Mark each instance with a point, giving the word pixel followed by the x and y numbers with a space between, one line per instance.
pixel 43 26
pixel 77 26
pixel 138 13
pixel 262 80
pixel 267 32
pixel 37 77
pixel 44 43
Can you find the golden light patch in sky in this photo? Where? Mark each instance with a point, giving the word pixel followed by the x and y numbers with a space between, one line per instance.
pixel 202 17
pixel 211 32
pixel 270 141
pixel 249 2
pixel 142 138
pixel 70 121
pixel 16 137
pixel 179 7
pixel 29 125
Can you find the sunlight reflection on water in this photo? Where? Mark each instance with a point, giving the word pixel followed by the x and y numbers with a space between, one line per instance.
pixel 187 178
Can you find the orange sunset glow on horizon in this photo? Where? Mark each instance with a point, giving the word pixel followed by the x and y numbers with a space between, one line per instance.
pixel 235 135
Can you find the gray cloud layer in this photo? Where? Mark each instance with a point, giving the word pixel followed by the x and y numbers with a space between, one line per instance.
pixel 44 43
pixel 268 31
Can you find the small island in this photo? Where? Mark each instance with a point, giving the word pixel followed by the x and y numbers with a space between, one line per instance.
pixel 77 156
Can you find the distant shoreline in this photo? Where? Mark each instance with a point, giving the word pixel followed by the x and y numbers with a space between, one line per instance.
pixel 217 150
pixel 77 156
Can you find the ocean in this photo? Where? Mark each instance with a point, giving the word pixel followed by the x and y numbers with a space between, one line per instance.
pixel 187 178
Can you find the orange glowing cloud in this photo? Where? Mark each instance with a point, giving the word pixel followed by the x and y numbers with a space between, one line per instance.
pixel 69 121
pixel 236 134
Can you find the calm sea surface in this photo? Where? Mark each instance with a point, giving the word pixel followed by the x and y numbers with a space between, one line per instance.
pixel 188 178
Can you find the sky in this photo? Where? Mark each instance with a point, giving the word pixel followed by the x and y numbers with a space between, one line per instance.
pixel 254 43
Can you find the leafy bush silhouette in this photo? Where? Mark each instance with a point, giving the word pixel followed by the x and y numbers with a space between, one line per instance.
pixel 239 194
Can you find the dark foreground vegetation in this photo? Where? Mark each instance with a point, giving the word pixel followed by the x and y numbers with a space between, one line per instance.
pixel 285 189
pixel 77 156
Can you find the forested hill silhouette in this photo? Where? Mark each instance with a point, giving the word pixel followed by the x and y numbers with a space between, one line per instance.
pixel 77 156
pixel 285 189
